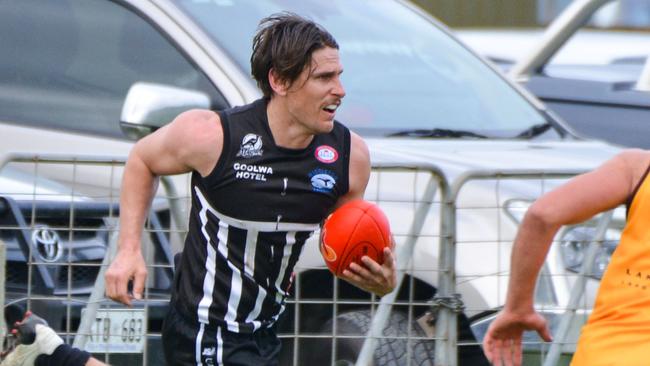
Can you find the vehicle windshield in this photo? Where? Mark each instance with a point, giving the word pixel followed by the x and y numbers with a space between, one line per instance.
pixel 401 71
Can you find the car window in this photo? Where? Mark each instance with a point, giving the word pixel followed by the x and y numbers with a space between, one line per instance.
pixel 68 64
pixel 401 71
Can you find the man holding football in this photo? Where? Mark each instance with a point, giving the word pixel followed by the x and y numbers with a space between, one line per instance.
pixel 264 176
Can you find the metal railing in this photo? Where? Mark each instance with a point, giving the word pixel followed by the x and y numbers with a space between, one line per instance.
pixel 446 342
pixel 430 215
pixel 460 182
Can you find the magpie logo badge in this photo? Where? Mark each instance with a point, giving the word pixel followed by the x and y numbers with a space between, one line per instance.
pixel 251 146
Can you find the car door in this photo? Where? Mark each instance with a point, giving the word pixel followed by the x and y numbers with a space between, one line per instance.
pixel 68 64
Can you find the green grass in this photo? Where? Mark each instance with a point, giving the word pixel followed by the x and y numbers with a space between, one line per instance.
pixel 535 359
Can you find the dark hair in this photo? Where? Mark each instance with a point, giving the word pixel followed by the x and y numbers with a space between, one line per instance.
pixel 285 43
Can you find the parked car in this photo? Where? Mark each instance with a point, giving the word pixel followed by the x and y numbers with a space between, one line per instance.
pixel 79 76
pixel 597 80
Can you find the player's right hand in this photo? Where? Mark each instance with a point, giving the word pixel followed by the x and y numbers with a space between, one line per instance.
pixel 502 342
pixel 127 265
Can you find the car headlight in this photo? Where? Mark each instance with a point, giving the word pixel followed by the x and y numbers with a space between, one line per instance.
pixel 575 241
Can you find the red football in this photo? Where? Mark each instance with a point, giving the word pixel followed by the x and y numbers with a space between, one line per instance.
pixel 353 230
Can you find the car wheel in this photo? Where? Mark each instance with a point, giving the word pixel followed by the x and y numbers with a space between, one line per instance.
pixel 390 351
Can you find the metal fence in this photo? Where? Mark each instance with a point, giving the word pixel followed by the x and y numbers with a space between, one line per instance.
pixel 58 219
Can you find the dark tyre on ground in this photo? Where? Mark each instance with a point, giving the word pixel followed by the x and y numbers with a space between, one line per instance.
pixel 394 350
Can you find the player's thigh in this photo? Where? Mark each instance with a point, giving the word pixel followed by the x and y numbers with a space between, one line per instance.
pixel 179 339
pixel 257 349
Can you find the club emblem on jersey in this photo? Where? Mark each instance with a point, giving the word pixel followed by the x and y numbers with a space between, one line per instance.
pixel 326 154
pixel 322 180
pixel 251 145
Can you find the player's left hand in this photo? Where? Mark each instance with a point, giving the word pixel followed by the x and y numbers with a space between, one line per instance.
pixel 371 276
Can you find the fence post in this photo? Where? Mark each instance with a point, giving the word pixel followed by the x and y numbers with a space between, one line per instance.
pixel 446 327
pixel 96 296
pixel 403 257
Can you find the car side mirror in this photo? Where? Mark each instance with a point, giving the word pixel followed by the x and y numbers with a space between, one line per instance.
pixel 149 106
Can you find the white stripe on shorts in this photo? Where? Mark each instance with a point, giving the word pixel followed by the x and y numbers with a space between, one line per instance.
pixel 219 347
pixel 197 345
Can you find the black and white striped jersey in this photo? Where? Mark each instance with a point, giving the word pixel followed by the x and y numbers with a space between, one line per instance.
pixel 250 218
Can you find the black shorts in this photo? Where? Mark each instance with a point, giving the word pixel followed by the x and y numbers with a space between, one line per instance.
pixel 188 342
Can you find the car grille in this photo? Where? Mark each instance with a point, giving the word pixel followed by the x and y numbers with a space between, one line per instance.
pixel 79 275
pixel 81 232
pixel 16 274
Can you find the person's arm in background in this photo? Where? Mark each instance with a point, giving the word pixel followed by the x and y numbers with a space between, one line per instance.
pixel 193 141
pixel 39 345
pixel 372 277
pixel 576 201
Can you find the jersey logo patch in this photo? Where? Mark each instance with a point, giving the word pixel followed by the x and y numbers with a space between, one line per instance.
pixel 251 145
pixel 326 154
pixel 322 180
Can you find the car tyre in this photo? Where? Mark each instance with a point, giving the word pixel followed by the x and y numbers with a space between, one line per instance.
pixel 390 351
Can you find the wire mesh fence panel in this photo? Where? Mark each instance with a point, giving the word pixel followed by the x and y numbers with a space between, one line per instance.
pixel 327 319
pixel 59 220
pixel 563 294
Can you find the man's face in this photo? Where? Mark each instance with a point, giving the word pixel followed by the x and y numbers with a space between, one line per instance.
pixel 313 98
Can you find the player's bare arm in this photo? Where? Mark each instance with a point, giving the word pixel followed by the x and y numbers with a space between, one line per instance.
pixel 372 277
pixel 582 197
pixel 359 170
pixel 193 141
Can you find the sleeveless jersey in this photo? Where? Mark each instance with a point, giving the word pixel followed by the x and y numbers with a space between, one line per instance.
pixel 250 218
pixel 618 329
